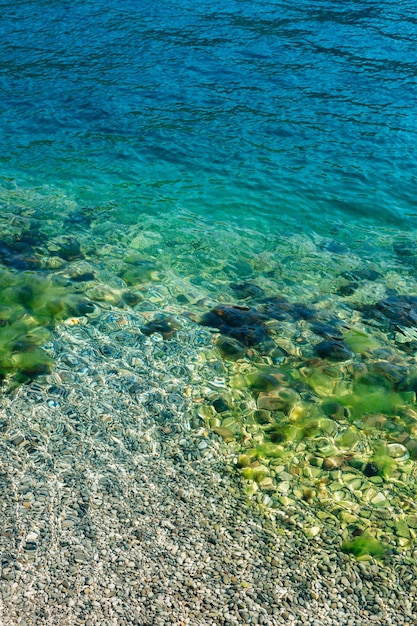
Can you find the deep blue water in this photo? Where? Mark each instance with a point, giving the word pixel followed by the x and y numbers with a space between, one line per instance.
pixel 301 112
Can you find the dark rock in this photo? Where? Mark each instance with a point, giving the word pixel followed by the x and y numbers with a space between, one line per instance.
pixel 131 298
pixel 334 351
pixel 231 317
pixel 390 371
pixel 79 217
pixel 347 290
pixel 220 405
pixel 80 278
pixel 358 275
pixel 85 308
pixel 371 469
pixel 262 417
pixel 247 290
pixel 249 335
pixel 334 246
pixel 404 248
pixel 70 250
pixel 279 308
pixel 335 410
pixel 327 331
pixel 402 310
pixel 166 326
pixel 241 323
pixel 18 257
pixel 182 299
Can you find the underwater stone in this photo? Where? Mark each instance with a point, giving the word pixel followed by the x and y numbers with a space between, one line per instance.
pixel 86 308
pixel 231 317
pixel 241 323
pixel 18 257
pixel 279 308
pixel 262 416
pixel 131 298
pixel 268 403
pixel 412 449
pixel 400 309
pixel 264 380
pixel 220 405
pixel 138 270
pixel 249 335
pixel 334 351
pixel 333 246
pixel 79 217
pixel 390 371
pixel 69 250
pixel 371 469
pixel 411 521
pixel 182 299
pixel 397 451
pixel 247 290
pixel 327 331
pixel 278 399
pixel 335 410
pixel 231 348
pixel 365 274
pixel 348 290
pixel 166 326
pixel 80 278
pixel 404 248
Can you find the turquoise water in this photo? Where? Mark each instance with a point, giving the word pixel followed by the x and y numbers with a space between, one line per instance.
pixel 283 113
pixel 239 178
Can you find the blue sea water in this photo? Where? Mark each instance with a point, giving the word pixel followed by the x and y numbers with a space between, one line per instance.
pixel 279 114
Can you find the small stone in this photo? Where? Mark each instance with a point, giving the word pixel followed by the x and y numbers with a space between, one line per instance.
pixel 397 451
pixel 16 440
pixel 379 499
pixel 312 531
pixel 411 521
pixel 402 529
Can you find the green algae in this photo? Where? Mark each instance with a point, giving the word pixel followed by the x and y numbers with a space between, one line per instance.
pixel 360 342
pixel 31 304
pixel 367 399
pixel 364 545
pixel 385 464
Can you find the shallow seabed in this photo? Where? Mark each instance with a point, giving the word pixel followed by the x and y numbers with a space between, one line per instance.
pixel 203 423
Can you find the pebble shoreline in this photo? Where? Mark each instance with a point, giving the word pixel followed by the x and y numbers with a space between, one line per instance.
pixel 111 515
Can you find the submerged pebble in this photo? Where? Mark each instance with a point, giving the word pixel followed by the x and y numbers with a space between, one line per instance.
pixel 334 351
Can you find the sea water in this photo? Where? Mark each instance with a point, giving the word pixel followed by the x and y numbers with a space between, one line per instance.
pixel 177 157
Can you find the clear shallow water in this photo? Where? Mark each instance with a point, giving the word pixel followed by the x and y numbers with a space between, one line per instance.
pixel 156 160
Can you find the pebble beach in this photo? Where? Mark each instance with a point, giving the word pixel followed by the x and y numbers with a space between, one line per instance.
pixel 117 522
